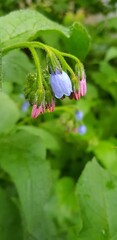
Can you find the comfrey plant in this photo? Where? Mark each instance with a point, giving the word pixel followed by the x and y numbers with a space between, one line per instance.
pixel 56 81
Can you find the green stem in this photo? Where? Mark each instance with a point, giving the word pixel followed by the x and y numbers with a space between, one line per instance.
pixel 45 84
pixel 60 54
pixel 25 45
pixel 66 55
pixel 48 49
pixel 42 46
pixel 63 61
pixel 37 64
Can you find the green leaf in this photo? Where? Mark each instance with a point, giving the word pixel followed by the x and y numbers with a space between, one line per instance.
pixel 49 139
pixel 65 209
pixel 16 66
pixel 107 155
pixel 28 24
pixel 106 77
pixel 78 44
pixel 109 72
pixel 97 194
pixel 111 53
pixel 22 157
pixel 66 206
pixel 9 113
pixel 10 224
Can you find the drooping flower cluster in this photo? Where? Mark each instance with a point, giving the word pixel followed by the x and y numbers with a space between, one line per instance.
pixel 39 97
pixel 57 84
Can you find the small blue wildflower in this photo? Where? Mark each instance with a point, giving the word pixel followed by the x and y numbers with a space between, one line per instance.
pixel 82 129
pixel 25 106
pixel 61 84
pixel 79 115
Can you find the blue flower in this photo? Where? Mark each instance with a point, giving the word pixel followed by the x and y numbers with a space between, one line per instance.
pixel 79 115
pixel 61 84
pixel 25 106
pixel 82 129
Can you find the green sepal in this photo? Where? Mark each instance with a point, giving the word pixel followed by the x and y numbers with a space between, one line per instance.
pixel 40 96
pixel 53 63
pixel 31 87
pixel 75 83
pixel 49 96
pixel 78 71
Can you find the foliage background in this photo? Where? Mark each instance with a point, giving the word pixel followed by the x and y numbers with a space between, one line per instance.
pixel 54 182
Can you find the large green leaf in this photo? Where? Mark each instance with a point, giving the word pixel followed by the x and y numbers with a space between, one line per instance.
pixel 10 224
pixel 97 194
pixel 64 205
pixel 50 141
pixel 77 44
pixel 22 157
pixel 26 25
pixel 107 155
pixel 9 113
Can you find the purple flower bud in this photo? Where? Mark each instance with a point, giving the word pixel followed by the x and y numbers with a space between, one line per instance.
pixel 82 129
pixel 61 84
pixel 79 115
pixel 25 106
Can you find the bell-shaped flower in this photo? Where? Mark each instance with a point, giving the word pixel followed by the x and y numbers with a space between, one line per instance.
pixel 61 84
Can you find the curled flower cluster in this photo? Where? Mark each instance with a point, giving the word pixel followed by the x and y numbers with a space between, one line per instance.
pixel 42 88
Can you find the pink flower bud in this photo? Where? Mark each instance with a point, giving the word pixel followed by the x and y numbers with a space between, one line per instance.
pixel 83 85
pixel 51 106
pixel 76 95
pixel 37 110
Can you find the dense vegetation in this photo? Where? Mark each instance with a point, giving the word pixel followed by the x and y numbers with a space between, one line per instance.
pixel 58 172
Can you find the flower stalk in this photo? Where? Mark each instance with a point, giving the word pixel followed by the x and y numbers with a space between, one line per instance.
pixel 40 90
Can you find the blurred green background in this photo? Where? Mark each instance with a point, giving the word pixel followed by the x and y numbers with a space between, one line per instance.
pixel 61 187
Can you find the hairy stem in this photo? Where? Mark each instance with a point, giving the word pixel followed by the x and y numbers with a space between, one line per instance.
pixel 37 64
